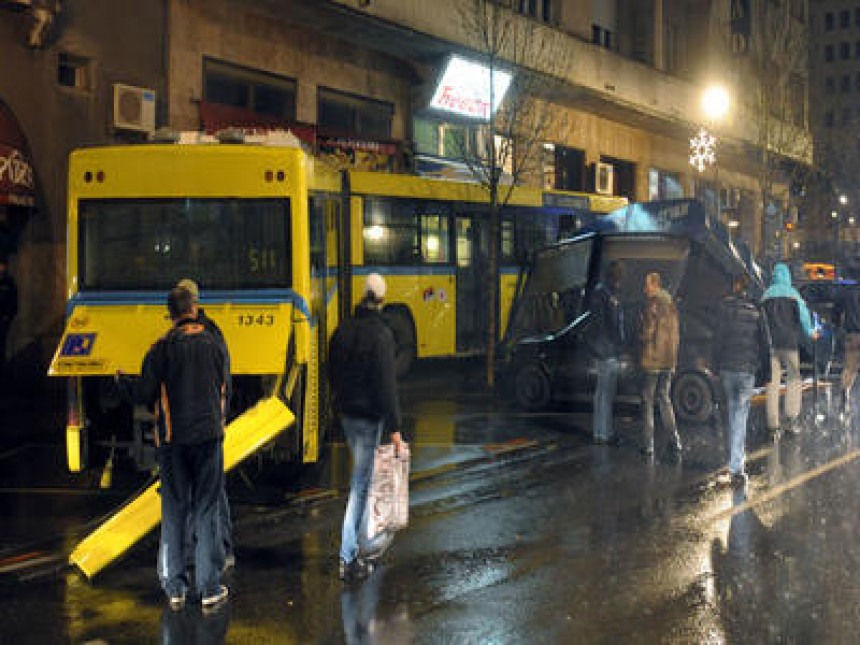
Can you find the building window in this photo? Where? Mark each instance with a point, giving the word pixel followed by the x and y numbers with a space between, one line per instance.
pixel 828 53
pixel 857 49
pixel 601 36
pixel 406 232
pixel 857 81
pixel 828 118
pixel 353 114
pixel 538 9
pixel 844 18
pixel 844 51
pixel 845 83
pixel 664 185
pixel 828 21
pixel 829 85
pixel 73 71
pixel 857 17
pixel 249 89
pixel 846 116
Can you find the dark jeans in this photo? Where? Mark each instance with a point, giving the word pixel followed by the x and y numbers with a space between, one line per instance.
pixel 192 480
pixel 657 383
pixel 225 521
pixel 4 333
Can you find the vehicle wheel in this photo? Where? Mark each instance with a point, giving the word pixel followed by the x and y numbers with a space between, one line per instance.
pixel 532 388
pixel 404 338
pixel 692 397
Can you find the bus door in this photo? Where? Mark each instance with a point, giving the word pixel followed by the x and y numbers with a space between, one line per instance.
pixel 472 247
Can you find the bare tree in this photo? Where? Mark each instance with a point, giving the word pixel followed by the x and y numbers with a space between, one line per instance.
pixel 775 60
pixel 512 137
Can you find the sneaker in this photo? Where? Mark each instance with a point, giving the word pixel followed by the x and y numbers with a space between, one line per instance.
pixel 358 569
pixel 210 602
pixel 176 602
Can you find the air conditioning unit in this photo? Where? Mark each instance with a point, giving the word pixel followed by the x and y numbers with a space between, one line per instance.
pixel 604 178
pixel 133 108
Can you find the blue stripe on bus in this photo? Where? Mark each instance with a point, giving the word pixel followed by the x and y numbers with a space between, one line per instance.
pixel 251 296
pixel 405 270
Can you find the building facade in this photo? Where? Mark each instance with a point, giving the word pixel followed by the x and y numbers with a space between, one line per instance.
pixel 356 79
pixel 834 61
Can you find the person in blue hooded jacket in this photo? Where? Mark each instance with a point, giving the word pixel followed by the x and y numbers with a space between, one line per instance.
pixel 789 322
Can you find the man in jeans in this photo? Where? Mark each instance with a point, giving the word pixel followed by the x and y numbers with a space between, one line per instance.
pixel 605 339
pixel 659 355
pixel 742 348
pixel 789 323
pixel 362 374
pixel 183 379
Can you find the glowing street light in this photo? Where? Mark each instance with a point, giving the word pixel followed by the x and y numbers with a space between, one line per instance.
pixel 715 102
pixel 843 199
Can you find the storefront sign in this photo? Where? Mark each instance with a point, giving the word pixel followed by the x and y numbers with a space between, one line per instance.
pixel 465 89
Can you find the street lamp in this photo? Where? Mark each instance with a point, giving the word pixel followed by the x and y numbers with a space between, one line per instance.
pixel 843 199
pixel 715 105
pixel 715 102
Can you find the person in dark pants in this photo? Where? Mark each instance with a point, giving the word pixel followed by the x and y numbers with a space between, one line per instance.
pixel 362 375
pixel 849 308
pixel 183 379
pixel 659 355
pixel 742 349
pixel 8 309
pixel 224 503
pixel 605 340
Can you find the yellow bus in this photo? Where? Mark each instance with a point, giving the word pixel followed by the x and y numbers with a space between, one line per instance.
pixel 279 244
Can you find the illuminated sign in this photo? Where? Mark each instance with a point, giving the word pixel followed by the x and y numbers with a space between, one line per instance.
pixel 465 89
pixel 78 345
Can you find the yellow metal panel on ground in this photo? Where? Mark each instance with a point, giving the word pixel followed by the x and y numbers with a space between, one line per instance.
pixel 244 436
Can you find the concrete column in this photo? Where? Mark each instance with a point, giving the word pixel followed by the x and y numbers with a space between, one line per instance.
pixel 659 36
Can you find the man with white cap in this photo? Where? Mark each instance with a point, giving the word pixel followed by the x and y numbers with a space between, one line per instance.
pixel 362 375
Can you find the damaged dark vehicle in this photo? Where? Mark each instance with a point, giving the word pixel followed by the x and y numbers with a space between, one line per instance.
pixel 544 354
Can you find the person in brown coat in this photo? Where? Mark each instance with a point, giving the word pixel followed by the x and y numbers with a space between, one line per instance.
pixel 659 337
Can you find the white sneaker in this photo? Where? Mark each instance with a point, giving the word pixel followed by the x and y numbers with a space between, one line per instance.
pixel 210 602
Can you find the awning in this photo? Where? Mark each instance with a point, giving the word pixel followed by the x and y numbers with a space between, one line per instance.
pixel 17 184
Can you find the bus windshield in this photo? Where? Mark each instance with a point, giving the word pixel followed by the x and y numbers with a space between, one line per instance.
pixel 149 244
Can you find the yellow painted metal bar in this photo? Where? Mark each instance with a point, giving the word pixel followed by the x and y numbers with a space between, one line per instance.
pixel 129 525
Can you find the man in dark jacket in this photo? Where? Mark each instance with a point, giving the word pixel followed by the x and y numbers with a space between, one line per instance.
pixel 605 339
pixel 8 309
pixel 789 324
pixel 849 306
pixel 224 504
pixel 362 375
pixel 659 336
pixel 742 348
pixel 183 378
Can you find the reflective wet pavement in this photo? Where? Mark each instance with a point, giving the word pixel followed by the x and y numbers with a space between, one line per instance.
pixel 521 531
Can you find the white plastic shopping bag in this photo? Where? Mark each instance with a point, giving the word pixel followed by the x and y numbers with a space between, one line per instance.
pixel 387 507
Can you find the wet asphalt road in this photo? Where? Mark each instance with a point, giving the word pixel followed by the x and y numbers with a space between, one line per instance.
pixel 521 532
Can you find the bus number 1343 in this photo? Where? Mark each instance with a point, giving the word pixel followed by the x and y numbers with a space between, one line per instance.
pixel 248 320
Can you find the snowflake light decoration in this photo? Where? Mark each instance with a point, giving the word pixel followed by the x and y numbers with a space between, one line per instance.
pixel 703 150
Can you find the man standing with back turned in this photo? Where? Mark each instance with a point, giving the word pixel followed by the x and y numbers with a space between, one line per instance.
pixel 742 348
pixel 361 371
pixel 183 376
pixel 789 323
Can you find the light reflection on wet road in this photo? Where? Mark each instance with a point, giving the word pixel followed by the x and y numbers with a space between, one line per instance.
pixel 558 541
